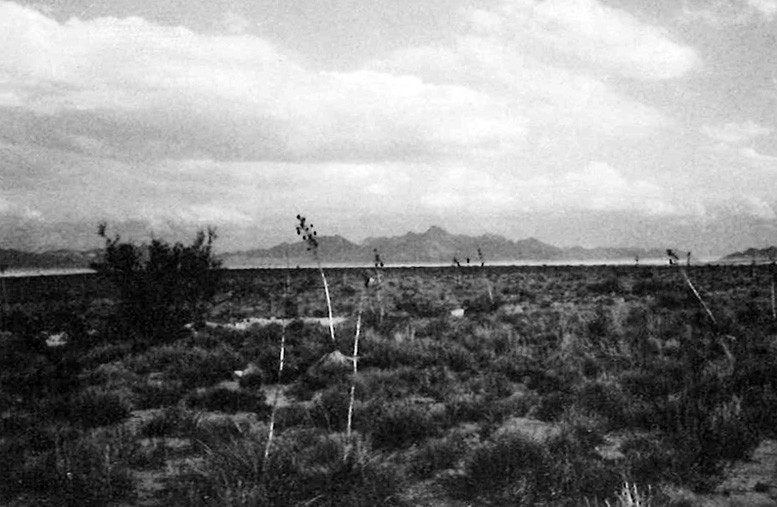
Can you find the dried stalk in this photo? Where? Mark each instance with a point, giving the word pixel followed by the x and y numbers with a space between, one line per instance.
pixel 349 426
pixel 271 432
pixel 774 298
pixel 698 296
pixel 281 361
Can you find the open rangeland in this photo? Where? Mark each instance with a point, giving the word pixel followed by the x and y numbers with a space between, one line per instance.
pixel 552 386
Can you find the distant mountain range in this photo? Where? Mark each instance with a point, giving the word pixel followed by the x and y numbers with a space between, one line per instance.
pixel 758 255
pixel 17 259
pixel 433 246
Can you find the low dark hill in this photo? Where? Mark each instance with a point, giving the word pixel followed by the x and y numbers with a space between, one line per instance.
pixel 758 255
pixel 435 245
pixel 16 259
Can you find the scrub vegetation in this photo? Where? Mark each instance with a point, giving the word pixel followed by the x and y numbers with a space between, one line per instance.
pixel 145 384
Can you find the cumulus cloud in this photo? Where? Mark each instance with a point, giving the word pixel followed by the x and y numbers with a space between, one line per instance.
pixel 721 13
pixel 598 35
pixel 158 91
pixel 767 8
pixel 735 133
pixel 596 187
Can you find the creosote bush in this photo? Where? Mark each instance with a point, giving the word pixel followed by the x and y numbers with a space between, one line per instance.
pixel 161 287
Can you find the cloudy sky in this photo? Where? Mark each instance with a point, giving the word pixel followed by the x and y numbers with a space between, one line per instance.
pixel 592 122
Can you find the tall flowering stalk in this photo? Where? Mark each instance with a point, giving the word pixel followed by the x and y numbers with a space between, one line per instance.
pixel 309 236
pixel 482 260
pixel 352 397
pixel 674 260
pixel 773 271
pixel 4 309
pixel 281 360
pixel 378 263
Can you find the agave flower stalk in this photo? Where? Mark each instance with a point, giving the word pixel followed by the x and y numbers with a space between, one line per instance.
pixel 352 396
pixel 4 309
pixel 309 235
pixel 485 276
pixel 773 269
pixel 378 263
pixel 273 412
pixel 674 260
pixel 281 360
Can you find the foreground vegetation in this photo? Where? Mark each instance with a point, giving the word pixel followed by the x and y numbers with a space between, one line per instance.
pixel 557 386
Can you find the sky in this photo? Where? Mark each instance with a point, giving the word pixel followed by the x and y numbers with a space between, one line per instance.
pixel 577 122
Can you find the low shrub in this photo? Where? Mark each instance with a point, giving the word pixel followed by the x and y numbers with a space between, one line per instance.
pixel 93 408
pixel 304 469
pixel 396 425
pixel 220 399
pixel 510 470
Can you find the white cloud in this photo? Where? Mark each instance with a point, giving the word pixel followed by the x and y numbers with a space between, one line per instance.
pixel 166 91
pixel 767 8
pixel 235 23
pixel 752 154
pixel 596 187
pixel 721 13
pixel 735 133
pixel 595 34
pixel 549 61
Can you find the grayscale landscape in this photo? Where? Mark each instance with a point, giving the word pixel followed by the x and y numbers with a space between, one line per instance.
pixel 404 253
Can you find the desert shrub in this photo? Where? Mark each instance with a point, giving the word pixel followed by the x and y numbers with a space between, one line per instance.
pixel 252 380
pixel 170 421
pixel 437 454
pixel 396 425
pixel 418 304
pixel 193 366
pixel 90 470
pixel 95 407
pixel 330 410
pixel 160 286
pixel 610 285
pixel 510 470
pixel 647 460
pixel 450 354
pixel 577 470
pixel 514 366
pixel 158 395
pixel 389 354
pixel 291 416
pixel 226 400
pixel 604 399
pixel 304 469
pixel 551 406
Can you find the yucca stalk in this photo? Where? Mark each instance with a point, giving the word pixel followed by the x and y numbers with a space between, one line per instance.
pixel 309 235
pixel 4 309
pixel 378 262
pixel 674 260
pixel 281 361
pixel 485 276
pixel 352 398
pixel 773 270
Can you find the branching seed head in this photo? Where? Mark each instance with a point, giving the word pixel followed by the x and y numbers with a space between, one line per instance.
pixel 308 234
pixel 378 262
pixel 672 256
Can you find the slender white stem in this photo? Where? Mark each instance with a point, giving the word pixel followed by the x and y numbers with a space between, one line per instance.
pixel 774 297
pixel 353 381
pixel 328 303
pixel 698 296
pixel 271 432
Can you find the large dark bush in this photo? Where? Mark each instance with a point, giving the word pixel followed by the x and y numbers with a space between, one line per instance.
pixel 161 287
